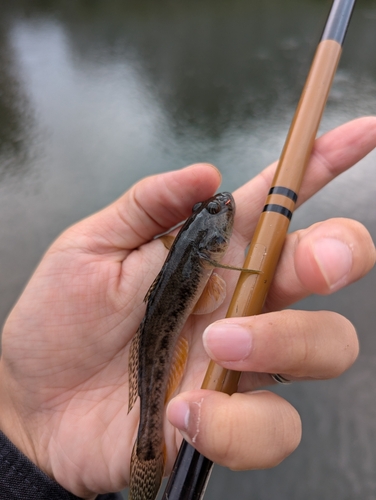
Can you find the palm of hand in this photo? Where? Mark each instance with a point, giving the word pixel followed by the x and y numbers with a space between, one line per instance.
pixel 79 313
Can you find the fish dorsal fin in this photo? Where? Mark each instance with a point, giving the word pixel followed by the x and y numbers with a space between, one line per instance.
pixel 212 296
pixel 152 286
pixel 167 240
pixel 179 361
pixel 133 370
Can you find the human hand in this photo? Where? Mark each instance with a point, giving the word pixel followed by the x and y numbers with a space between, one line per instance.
pixel 252 430
pixel 64 365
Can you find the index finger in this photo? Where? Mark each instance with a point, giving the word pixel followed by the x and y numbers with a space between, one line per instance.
pixel 333 153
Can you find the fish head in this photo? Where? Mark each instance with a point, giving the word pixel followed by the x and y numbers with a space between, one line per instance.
pixel 215 220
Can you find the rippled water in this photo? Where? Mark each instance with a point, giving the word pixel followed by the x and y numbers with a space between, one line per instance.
pixel 96 95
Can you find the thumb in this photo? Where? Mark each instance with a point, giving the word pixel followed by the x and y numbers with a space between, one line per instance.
pixel 242 431
pixel 151 206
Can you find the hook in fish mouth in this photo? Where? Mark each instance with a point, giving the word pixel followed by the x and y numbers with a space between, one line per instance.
pixel 226 199
pixel 225 194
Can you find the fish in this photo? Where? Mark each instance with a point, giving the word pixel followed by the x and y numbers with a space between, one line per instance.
pixel 158 352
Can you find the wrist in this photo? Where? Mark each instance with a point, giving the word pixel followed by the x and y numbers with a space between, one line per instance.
pixel 12 423
pixel 21 478
pixel 28 433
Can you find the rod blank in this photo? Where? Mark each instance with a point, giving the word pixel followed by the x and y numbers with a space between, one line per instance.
pixel 191 471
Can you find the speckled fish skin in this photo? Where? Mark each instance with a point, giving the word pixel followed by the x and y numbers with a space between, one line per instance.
pixel 202 240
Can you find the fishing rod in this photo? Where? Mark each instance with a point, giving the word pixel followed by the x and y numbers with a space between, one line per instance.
pixel 191 470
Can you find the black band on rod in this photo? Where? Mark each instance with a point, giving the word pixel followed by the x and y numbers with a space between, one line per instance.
pixel 272 207
pixel 289 193
pixel 338 20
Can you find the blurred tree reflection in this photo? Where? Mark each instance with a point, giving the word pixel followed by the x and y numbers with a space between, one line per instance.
pixel 15 114
pixel 207 63
pixel 172 43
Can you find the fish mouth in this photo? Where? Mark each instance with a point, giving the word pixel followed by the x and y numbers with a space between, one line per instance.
pixel 226 199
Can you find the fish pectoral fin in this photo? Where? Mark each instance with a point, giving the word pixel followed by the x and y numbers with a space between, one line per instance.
pixel 167 240
pixel 212 296
pixel 179 361
pixel 133 370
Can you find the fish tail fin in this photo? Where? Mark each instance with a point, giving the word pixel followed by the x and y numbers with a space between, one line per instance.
pixel 146 476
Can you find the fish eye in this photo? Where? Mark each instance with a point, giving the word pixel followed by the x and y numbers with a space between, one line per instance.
pixel 213 207
pixel 196 207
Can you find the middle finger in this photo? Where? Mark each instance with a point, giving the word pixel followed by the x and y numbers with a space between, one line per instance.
pixel 298 344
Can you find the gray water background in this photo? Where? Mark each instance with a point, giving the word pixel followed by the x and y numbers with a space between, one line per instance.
pixel 95 95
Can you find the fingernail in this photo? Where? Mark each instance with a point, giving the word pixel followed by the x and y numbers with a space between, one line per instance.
pixel 334 258
pixel 186 416
pixel 178 413
pixel 227 342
